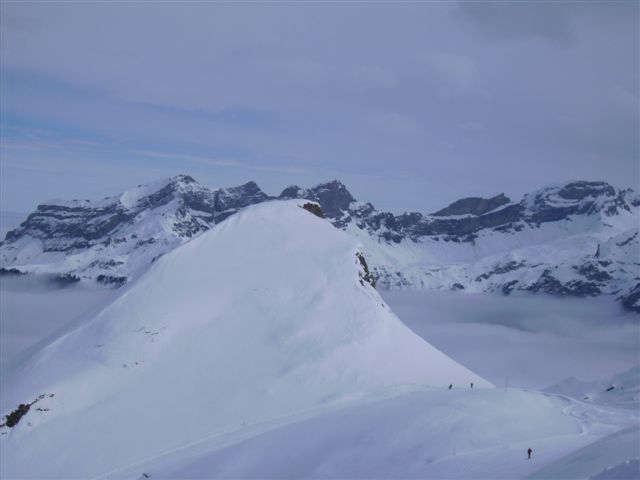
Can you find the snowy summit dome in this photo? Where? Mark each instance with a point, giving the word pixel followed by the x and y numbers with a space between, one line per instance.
pixel 265 315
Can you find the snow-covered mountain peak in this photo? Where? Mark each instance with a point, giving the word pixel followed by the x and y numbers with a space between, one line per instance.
pixel 576 197
pixel 266 314
pixel 130 198
pixel 111 239
pixel 149 195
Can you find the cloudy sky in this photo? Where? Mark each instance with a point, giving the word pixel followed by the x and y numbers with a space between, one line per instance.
pixel 412 105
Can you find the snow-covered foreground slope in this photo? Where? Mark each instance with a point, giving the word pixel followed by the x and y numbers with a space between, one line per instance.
pixel 265 317
pixel 439 434
pixel 616 456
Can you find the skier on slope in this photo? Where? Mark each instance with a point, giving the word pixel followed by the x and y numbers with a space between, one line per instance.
pixel 529 452
pixel 450 386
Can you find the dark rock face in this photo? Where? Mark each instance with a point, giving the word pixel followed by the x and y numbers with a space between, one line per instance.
pixel 291 192
pixel 366 276
pixel 547 283
pixel 333 197
pixel 508 287
pixel 631 300
pixel 473 206
pixel 500 269
pixel 14 417
pixel 65 280
pixel 11 272
pixel 111 280
pixel 65 228
pixel 314 208
pixel 230 200
pixel 581 190
pixel 592 272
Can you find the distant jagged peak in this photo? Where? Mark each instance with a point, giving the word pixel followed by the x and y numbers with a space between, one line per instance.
pixel 333 185
pixel 130 197
pixel 473 206
pixel 180 182
pixel 333 196
pixel 291 192
pixel 182 178
pixel 249 187
pixel 160 191
pixel 249 191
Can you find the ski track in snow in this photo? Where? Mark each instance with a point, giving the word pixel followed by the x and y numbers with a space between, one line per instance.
pixel 497 461
pixel 245 431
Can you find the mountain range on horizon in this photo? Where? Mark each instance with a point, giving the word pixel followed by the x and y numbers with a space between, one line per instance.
pixel 570 239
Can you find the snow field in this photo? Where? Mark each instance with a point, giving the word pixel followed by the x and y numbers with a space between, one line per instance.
pixel 262 316
pixel 435 433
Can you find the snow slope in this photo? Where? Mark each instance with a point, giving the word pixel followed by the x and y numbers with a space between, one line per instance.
pixel 463 433
pixel 613 457
pixel 264 317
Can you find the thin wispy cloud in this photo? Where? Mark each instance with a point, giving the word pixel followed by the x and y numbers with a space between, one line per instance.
pixel 218 162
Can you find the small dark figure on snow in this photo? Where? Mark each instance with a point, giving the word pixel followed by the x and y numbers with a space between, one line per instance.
pixel 471 384
pixel 529 452
pixel 450 386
